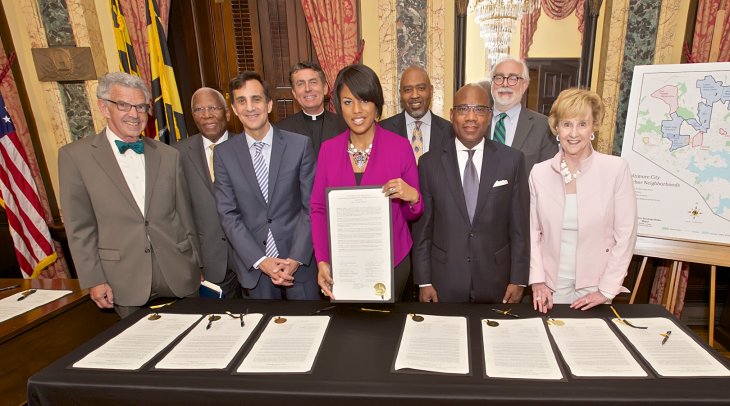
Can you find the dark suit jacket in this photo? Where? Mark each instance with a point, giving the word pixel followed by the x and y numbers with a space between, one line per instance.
pixel 440 128
pixel 216 252
pixel 245 215
pixel 332 126
pixel 476 261
pixel 534 138
pixel 110 240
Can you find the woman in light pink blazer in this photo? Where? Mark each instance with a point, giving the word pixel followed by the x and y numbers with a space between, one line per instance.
pixel 582 212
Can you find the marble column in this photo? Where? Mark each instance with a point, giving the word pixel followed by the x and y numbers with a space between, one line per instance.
pixel 641 35
pixel 412 33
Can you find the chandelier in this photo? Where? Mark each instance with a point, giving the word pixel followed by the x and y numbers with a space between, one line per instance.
pixel 497 20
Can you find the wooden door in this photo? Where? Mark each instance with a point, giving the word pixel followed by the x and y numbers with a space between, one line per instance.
pixel 548 77
pixel 212 40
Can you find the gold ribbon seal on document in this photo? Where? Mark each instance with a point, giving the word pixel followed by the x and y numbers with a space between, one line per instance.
pixel 380 290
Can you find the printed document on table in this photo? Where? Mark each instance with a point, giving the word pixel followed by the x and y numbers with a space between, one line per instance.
pixel 434 343
pixel 590 348
pixel 139 343
pixel 360 244
pixel 679 355
pixel 289 344
pixel 11 306
pixel 519 348
pixel 214 347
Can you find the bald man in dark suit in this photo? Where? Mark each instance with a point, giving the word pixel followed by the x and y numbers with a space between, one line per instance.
pixel 472 243
pixel 416 122
pixel 196 154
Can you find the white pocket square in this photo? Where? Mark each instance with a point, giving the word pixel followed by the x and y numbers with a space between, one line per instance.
pixel 500 183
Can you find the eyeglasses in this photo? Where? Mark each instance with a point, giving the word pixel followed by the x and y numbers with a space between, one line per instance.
pixel 199 111
pixel 511 79
pixel 124 106
pixel 478 109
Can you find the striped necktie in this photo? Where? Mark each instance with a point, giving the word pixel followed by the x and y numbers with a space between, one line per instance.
pixel 500 133
pixel 417 140
pixel 262 176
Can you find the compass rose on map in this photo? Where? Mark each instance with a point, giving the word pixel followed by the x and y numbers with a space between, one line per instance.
pixel 694 212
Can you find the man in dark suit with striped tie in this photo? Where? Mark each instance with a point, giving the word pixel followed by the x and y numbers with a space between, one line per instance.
pixel 416 122
pixel 263 182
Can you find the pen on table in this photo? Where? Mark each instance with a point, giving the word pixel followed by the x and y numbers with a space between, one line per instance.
pixel 506 313
pixel 666 336
pixel 324 309
pixel 26 294
pixel 3 289
pixel 367 309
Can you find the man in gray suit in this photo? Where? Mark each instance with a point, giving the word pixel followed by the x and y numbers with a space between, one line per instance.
pixel 126 206
pixel 263 182
pixel 211 116
pixel 472 243
pixel 512 124
pixel 308 86
pixel 416 122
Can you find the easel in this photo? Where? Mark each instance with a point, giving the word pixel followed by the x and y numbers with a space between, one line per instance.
pixel 679 251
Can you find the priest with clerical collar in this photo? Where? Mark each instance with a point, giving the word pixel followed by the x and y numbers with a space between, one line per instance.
pixel 308 86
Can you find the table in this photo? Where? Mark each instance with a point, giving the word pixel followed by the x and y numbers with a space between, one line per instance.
pixel 353 368
pixel 36 338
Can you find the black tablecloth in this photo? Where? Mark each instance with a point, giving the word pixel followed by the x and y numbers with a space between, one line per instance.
pixel 354 367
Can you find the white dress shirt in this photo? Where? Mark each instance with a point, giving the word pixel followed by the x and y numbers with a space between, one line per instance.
pixel 425 128
pixel 462 156
pixel 510 123
pixel 209 152
pixel 132 167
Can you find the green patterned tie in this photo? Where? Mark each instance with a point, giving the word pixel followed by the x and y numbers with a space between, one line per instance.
pixel 500 133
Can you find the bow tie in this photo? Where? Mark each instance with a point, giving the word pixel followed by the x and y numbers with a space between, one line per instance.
pixel 136 146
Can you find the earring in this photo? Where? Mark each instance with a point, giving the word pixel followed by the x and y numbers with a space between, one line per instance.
pixel 593 136
pixel 557 138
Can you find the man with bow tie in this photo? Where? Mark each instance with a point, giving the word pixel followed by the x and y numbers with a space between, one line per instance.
pixel 126 206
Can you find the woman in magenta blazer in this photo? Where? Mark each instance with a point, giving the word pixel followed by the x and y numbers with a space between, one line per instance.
pixel 365 155
pixel 582 212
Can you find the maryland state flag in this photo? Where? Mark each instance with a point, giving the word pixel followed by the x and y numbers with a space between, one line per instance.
pixel 168 110
pixel 127 61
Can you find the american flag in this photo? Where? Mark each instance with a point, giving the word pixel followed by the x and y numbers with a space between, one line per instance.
pixel 19 198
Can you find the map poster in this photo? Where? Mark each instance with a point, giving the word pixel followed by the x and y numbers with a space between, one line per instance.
pixel 677 143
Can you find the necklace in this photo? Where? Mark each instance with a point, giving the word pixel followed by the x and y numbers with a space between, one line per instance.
pixel 360 157
pixel 565 171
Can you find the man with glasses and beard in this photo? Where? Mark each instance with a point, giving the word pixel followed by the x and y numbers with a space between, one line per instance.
pixel 512 124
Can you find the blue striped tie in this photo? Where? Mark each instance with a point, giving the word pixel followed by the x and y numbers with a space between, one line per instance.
pixel 500 133
pixel 262 176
